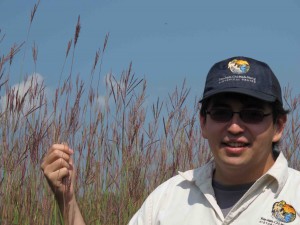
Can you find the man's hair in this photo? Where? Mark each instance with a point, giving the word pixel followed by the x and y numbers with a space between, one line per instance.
pixel 278 110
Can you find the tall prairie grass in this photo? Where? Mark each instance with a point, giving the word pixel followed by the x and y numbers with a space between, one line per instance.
pixel 124 146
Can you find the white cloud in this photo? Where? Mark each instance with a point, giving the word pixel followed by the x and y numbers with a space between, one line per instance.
pixel 31 91
pixel 111 82
pixel 101 101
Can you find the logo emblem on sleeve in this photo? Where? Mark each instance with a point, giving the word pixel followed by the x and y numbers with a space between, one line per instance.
pixel 238 66
pixel 283 212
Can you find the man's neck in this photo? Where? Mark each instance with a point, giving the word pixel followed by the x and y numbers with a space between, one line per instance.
pixel 231 175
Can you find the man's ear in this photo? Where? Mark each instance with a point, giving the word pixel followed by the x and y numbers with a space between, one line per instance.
pixel 203 125
pixel 279 127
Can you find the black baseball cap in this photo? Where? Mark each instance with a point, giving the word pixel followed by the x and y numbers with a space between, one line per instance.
pixel 243 75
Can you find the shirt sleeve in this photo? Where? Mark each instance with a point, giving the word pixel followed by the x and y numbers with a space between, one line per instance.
pixel 144 215
pixel 148 213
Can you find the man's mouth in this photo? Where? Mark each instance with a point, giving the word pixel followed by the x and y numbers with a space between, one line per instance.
pixel 236 144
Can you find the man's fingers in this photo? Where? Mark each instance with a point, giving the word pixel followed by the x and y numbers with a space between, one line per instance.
pixel 57 176
pixel 71 163
pixel 55 161
pixel 55 166
pixel 63 147
pixel 56 154
pixel 59 148
pixel 53 155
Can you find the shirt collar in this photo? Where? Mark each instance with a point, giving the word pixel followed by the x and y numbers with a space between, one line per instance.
pixel 201 176
pixel 279 171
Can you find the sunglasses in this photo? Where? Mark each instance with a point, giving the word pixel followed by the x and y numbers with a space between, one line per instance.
pixel 247 115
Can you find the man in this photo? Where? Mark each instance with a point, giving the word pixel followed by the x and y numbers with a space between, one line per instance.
pixel 248 181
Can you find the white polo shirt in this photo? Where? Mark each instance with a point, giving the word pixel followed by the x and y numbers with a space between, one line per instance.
pixel 188 198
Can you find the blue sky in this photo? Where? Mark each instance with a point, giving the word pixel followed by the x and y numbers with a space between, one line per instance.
pixel 167 41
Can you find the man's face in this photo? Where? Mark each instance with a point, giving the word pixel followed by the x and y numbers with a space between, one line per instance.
pixel 238 145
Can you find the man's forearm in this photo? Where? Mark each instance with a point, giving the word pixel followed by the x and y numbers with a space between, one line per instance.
pixel 71 213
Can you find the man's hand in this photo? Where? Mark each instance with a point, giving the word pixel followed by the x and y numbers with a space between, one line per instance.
pixel 59 171
pixel 58 168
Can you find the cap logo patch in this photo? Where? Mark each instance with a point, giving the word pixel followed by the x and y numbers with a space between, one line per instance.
pixel 238 66
pixel 239 69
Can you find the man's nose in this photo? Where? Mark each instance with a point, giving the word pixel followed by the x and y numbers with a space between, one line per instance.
pixel 235 125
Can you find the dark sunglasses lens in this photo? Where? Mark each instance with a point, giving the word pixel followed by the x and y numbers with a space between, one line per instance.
pixel 248 116
pixel 221 115
pixel 252 116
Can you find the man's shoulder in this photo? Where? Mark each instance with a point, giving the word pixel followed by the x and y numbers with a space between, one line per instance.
pixel 181 183
pixel 190 176
pixel 294 172
pixel 195 174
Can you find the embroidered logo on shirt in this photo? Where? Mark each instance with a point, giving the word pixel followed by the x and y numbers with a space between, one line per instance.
pixel 283 212
pixel 238 66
